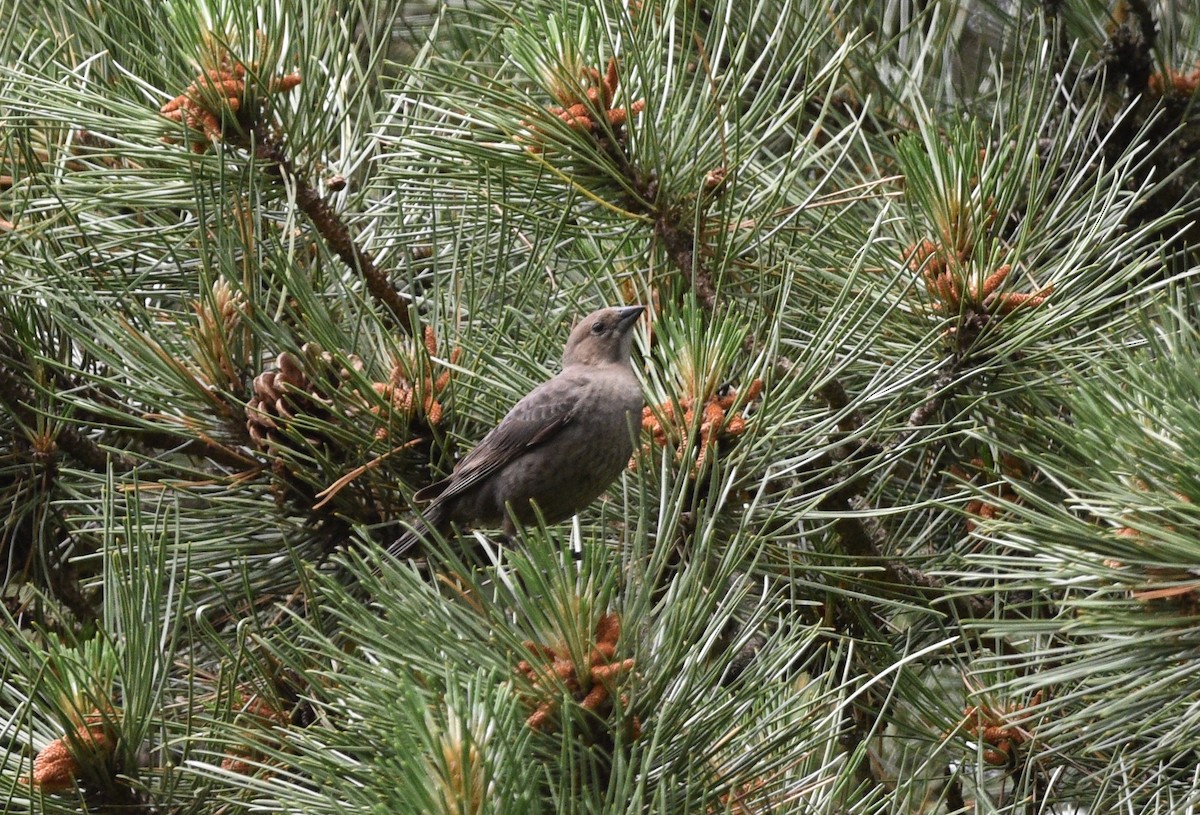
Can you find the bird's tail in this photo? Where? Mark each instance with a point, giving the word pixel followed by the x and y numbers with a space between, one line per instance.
pixel 434 518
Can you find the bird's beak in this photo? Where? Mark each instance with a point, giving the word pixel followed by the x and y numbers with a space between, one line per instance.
pixel 627 316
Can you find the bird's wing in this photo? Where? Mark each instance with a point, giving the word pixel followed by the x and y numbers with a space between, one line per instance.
pixel 534 420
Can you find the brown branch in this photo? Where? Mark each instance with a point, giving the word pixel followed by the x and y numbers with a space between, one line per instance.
pixel 679 242
pixel 142 440
pixel 198 446
pixel 681 249
pixel 1131 41
pixel 939 393
pixel 19 400
pixel 333 229
pixel 863 540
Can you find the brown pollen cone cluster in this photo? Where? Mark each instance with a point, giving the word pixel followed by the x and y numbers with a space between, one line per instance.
pixel 255 710
pixel 416 402
pixel 590 684
pixel 999 731
pixel 585 115
pixel 1170 82
pixel 717 420
pixel 1177 589
pixel 980 508
pixel 296 411
pixel 954 290
pixel 214 94
pixel 59 765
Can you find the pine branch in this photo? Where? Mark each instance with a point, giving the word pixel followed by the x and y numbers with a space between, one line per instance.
pixel 680 245
pixel 861 539
pixel 541 153
pixel 332 228
pixel 1131 43
pixel 19 400
pixel 859 536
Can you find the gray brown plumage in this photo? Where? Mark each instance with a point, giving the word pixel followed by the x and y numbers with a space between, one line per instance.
pixel 559 447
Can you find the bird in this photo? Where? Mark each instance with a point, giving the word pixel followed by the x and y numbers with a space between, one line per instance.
pixel 559 447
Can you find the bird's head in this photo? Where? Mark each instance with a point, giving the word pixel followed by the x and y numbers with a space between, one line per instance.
pixel 602 337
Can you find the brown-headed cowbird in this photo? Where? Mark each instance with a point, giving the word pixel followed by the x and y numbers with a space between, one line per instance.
pixel 559 447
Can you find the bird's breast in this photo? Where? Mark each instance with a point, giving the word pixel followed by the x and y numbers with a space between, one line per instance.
pixel 578 463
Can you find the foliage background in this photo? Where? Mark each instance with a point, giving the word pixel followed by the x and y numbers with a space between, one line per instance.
pixel 944 561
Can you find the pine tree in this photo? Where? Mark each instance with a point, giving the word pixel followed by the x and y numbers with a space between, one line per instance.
pixel 911 526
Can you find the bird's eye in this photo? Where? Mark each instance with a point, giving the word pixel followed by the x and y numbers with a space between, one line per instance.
pixel 598 327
